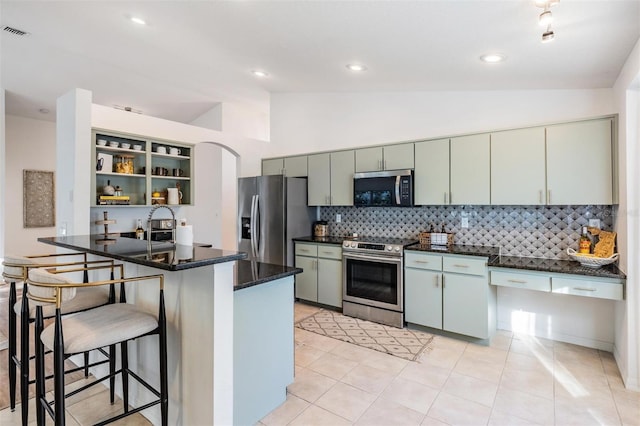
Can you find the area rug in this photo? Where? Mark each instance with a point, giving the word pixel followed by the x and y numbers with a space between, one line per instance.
pixel 403 343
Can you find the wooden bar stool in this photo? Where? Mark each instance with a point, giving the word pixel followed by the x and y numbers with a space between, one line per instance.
pixel 93 329
pixel 16 271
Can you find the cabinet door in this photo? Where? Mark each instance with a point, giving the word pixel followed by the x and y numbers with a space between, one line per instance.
pixel 518 167
pixel 272 166
pixel 579 167
pixel 431 175
pixel 295 166
pixel 342 169
pixel 398 157
pixel 330 282
pixel 423 297
pixel 470 170
pixel 319 182
pixel 465 305
pixel 368 159
pixel 307 281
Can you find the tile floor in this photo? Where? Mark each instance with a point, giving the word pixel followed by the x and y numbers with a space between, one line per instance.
pixel 517 380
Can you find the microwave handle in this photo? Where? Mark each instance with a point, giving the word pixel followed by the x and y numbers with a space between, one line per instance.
pixel 397 190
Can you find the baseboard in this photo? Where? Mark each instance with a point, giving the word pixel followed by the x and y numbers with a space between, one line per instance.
pixel 566 338
pixel 630 383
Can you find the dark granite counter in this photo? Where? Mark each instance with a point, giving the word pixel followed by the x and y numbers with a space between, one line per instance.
pixel 556 265
pixel 248 273
pixel 490 252
pixel 331 239
pixel 163 255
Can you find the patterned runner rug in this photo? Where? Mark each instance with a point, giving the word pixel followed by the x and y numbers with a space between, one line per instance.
pixel 403 343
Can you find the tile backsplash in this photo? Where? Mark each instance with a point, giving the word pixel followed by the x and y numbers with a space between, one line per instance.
pixel 531 231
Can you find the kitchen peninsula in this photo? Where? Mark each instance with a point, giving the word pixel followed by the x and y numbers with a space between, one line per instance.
pixel 221 311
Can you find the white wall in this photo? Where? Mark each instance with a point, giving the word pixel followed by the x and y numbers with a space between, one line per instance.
pixel 3 172
pixel 30 144
pixel 309 122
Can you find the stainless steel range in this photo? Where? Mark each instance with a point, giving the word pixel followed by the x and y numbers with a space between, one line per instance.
pixel 372 276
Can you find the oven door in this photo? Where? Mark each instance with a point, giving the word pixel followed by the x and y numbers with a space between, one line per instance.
pixel 373 280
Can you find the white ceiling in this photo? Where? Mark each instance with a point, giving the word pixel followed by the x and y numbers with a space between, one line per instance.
pixel 194 55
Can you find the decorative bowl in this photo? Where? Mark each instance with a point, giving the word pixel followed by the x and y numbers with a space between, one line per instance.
pixel 590 260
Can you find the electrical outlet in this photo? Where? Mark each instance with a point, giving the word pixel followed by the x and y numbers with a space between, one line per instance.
pixel 594 223
pixel 338 218
pixel 464 222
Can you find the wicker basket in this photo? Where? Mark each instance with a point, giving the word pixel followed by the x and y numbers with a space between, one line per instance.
pixel 425 238
pixel 591 261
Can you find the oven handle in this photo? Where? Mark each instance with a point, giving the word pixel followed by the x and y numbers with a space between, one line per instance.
pixel 368 257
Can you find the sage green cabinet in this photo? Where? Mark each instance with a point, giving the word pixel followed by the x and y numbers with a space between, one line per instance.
pixel 470 170
pixel 330 179
pixel 579 163
pixel 287 166
pixel 431 174
pixel 321 279
pixel 518 167
pixel 423 291
pixel 272 166
pixel 390 157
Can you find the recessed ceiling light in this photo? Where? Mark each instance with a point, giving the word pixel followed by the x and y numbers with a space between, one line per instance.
pixel 260 73
pixel 138 21
pixel 548 36
pixel 492 58
pixel 356 67
pixel 546 18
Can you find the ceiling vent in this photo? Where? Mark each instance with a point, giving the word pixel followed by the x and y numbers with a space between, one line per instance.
pixel 15 31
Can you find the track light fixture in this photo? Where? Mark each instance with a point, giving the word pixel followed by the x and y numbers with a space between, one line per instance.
pixel 546 17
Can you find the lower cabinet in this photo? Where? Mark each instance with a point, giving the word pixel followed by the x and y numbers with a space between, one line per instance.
pixel 321 279
pixel 449 292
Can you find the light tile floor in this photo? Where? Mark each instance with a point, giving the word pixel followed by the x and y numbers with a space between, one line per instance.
pixel 517 380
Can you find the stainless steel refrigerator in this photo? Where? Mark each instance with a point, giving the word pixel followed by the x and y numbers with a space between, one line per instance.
pixel 271 211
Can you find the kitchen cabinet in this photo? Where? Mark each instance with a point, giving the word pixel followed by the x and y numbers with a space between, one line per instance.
pixel 330 180
pixel 321 279
pixel 272 166
pixel 470 170
pixel 449 292
pixel 431 174
pixel 391 157
pixel 579 163
pixel 520 279
pixel 139 166
pixel 518 167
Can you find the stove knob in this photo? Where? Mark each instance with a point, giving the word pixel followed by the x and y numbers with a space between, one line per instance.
pixel 389 248
pixel 397 249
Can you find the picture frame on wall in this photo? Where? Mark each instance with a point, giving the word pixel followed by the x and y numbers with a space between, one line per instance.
pixel 39 204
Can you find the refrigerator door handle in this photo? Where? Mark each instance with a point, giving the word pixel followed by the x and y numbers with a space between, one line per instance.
pixel 253 226
pixel 256 236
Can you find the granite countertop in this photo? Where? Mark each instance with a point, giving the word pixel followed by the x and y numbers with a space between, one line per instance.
pixel 163 255
pixel 331 239
pixel 556 265
pixel 490 252
pixel 248 273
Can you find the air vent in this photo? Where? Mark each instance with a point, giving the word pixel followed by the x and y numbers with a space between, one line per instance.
pixel 15 31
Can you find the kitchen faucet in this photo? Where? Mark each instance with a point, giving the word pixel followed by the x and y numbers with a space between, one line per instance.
pixel 173 224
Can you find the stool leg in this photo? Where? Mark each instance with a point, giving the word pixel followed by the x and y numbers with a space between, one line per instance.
pixel 164 387
pixel 24 356
pixel 125 374
pixel 86 365
pixel 58 370
pixel 40 374
pixel 13 340
pixel 112 370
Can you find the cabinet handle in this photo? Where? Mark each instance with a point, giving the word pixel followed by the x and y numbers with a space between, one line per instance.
pixel 438 281
pixel 315 265
pixel 304 250
pixel 421 261
pixel 540 196
pixel 384 165
pixel 326 252
pixel 460 266
pixel 443 285
pixel 445 197
pixel 548 196
pixel 517 281
pixel 585 289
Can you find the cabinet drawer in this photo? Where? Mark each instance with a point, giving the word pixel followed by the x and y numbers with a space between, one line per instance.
pixel 465 265
pixel 588 288
pixel 423 261
pixel 516 280
pixel 330 252
pixel 306 249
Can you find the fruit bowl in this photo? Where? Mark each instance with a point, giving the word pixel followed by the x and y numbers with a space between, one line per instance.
pixel 590 260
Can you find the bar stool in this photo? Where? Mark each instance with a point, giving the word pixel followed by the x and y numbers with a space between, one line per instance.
pixel 93 329
pixel 16 271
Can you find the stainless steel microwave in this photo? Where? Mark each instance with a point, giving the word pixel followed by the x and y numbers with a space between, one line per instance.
pixel 392 188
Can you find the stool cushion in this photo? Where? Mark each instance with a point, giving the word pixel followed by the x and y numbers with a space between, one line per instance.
pixel 16 271
pixel 101 327
pixel 43 276
pixel 86 298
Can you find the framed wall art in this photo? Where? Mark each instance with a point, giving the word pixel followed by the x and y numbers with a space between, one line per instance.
pixel 39 209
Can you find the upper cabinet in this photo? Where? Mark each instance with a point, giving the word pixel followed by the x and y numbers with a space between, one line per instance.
pixel 470 169
pixel 330 180
pixel 135 171
pixel 579 163
pixel 518 167
pixel 287 166
pixel 391 157
pixel 431 175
